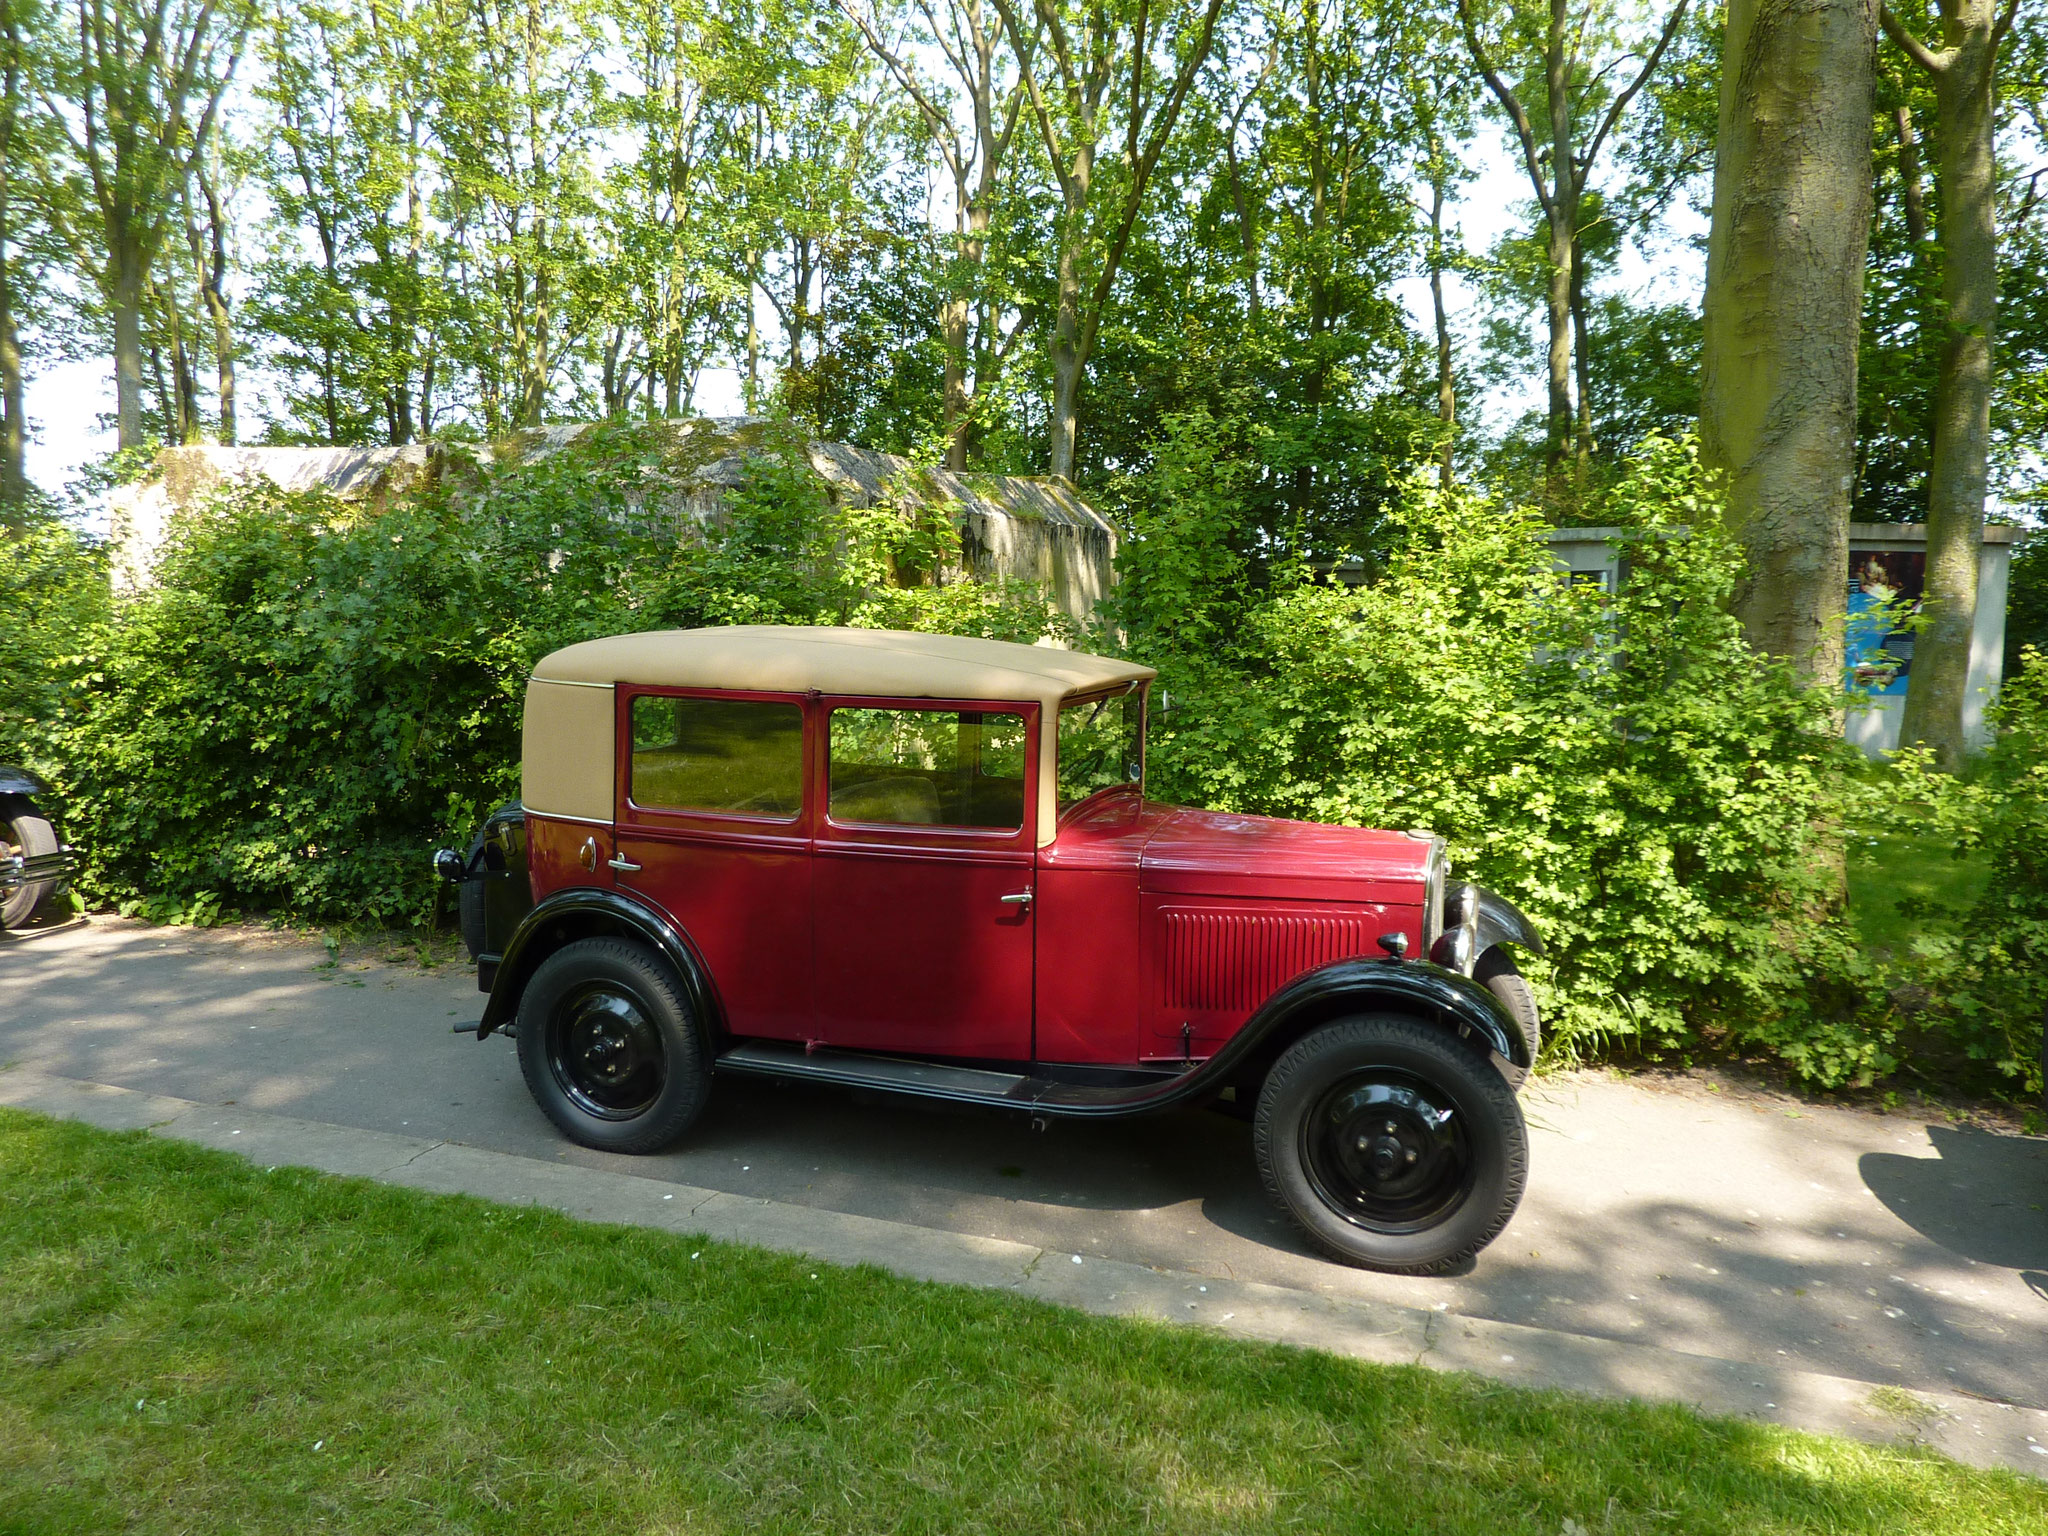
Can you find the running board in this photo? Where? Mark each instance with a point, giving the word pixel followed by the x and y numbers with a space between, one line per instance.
pixel 935 1080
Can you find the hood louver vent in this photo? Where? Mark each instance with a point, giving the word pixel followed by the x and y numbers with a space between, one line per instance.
pixel 1230 962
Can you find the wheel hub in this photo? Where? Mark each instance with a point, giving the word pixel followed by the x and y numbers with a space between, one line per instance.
pixel 606 1052
pixel 1387 1151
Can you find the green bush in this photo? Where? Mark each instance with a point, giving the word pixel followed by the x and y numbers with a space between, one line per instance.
pixel 309 699
pixel 1653 793
pixel 53 600
pixel 1976 982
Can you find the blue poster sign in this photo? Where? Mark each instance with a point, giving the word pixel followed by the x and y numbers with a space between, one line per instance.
pixel 1884 595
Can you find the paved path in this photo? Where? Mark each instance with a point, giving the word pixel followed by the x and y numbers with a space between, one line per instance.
pixel 1739 1251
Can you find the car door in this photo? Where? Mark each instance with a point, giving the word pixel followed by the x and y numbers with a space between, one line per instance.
pixel 714 828
pixel 922 926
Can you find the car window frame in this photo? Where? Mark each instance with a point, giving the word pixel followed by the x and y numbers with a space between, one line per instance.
pixel 1143 687
pixel 631 813
pixel 845 834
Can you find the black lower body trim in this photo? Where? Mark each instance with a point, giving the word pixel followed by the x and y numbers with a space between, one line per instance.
pixel 1031 1090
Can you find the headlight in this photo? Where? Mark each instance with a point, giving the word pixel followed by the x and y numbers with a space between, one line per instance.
pixel 1457 948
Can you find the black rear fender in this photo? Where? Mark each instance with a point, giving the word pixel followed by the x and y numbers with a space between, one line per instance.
pixel 588 913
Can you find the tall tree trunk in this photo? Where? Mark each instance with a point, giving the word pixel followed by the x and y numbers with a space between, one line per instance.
pixel 210 264
pixel 1914 191
pixel 13 428
pixel 1066 361
pixel 1783 312
pixel 1562 212
pixel 1446 379
pixel 953 332
pixel 753 334
pixel 1582 356
pixel 1966 177
pixel 130 275
pixel 954 322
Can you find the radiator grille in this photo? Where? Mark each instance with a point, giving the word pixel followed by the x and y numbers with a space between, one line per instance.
pixel 1232 961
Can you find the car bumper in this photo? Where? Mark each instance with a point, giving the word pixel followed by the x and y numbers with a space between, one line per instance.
pixel 17 870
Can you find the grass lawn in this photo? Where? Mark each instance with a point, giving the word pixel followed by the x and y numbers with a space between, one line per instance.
pixel 1884 866
pixel 191 1344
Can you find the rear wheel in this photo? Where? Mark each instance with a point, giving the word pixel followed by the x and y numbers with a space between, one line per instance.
pixel 1392 1143
pixel 609 1048
pixel 26 832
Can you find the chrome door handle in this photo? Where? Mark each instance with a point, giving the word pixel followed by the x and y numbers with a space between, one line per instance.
pixel 623 865
pixel 1017 898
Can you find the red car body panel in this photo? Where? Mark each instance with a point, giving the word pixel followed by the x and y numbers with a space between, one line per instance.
pixel 1152 935
pixel 556 855
pixel 1091 956
pixel 1212 853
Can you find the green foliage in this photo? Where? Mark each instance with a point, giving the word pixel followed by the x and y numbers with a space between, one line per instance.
pixel 2026 603
pixel 1654 794
pixel 307 700
pixel 53 593
pixel 1977 981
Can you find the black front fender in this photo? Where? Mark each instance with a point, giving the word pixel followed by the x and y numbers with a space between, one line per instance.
pixel 582 912
pixel 18 781
pixel 1501 922
pixel 1417 987
pixel 1454 1003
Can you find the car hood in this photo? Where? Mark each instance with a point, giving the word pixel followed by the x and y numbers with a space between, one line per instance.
pixel 1213 853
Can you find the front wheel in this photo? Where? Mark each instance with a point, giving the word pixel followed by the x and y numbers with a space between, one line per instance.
pixel 1393 1144
pixel 609 1048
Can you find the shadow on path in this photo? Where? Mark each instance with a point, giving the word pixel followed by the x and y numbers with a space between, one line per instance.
pixel 1985 1197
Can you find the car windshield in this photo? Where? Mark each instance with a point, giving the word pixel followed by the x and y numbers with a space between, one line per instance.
pixel 1102 744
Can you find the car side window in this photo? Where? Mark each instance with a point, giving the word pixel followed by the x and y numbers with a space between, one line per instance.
pixel 739 756
pixel 928 768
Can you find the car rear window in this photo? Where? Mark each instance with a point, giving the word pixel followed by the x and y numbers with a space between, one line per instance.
pixel 928 768
pixel 740 756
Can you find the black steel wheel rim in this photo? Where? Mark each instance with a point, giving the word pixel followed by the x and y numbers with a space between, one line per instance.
pixel 1388 1151
pixel 606 1051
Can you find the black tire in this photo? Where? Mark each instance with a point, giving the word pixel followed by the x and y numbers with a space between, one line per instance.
pixel 1414 1200
pixel 1496 971
pixel 469 911
pixel 609 1048
pixel 27 833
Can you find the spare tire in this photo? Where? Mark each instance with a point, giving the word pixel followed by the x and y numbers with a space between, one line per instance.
pixel 28 833
pixel 469 901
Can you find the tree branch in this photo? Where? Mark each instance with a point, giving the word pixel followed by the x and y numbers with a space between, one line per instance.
pixel 2003 25
pixel 1911 46
pixel 1524 129
pixel 1620 103
pixel 1141 175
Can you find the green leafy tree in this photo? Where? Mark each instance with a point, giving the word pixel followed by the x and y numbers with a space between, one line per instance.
pixel 133 91
pixel 1106 71
pixel 355 291
pixel 1563 113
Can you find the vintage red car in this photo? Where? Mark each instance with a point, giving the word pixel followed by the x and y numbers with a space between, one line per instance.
pixel 926 865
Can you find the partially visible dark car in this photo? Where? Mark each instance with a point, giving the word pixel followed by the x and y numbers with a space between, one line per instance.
pixel 34 865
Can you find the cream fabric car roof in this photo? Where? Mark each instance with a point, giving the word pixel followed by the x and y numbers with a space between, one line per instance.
pixel 883 662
